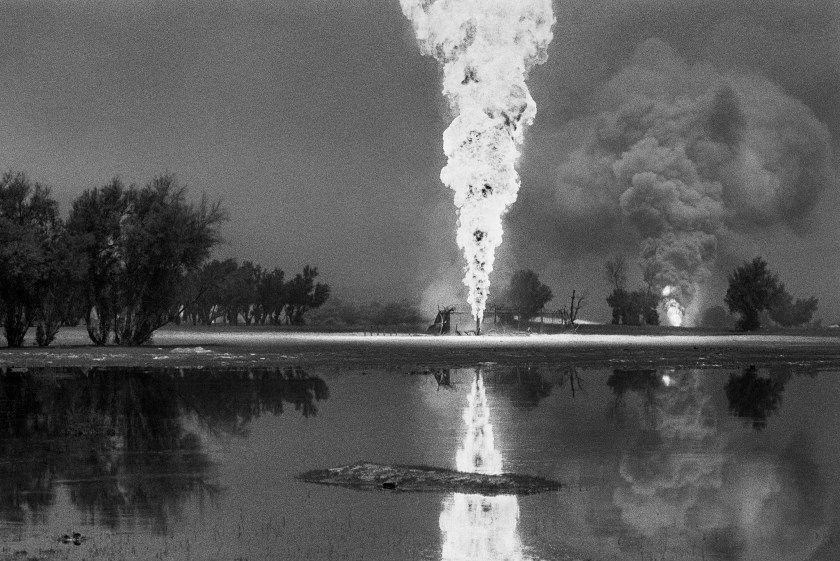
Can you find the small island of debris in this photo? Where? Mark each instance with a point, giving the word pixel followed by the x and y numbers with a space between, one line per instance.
pixel 370 476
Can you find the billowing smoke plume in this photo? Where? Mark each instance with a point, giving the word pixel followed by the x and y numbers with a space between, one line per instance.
pixel 689 154
pixel 487 48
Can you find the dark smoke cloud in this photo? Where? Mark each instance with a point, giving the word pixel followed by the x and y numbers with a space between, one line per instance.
pixel 730 138
pixel 680 155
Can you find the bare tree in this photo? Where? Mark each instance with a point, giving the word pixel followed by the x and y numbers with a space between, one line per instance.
pixel 570 374
pixel 616 272
pixel 650 270
pixel 568 316
pixel 574 307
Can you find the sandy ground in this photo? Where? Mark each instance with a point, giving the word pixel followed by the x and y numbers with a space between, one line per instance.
pixel 218 346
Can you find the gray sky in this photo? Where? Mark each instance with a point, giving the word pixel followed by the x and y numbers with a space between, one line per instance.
pixel 319 124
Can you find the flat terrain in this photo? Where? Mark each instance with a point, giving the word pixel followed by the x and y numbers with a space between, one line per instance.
pixel 588 346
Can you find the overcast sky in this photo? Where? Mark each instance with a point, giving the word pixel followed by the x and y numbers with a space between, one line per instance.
pixel 319 123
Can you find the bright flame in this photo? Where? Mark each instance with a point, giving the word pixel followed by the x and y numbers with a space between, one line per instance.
pixel 675 313
pixel 475 527
pixel 479 454
pixel 673 309
pixel 487 48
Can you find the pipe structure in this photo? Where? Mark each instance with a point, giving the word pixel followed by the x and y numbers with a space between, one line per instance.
pixel 478 326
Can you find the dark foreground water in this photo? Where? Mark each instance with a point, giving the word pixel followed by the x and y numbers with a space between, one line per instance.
pixel 199 464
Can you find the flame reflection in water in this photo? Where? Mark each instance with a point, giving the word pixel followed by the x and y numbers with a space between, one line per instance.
pixel 478 527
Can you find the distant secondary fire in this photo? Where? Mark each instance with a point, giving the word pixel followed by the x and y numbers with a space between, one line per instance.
pixel 694 157
pixel 673 309
pixel 487 48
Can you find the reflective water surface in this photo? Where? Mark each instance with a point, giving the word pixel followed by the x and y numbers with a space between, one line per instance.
pixel 200 463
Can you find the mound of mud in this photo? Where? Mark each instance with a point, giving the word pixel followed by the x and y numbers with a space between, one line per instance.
pixel 369 476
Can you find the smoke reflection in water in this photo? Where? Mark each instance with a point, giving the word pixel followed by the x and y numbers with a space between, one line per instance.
pixel 477 527
pixel 664 484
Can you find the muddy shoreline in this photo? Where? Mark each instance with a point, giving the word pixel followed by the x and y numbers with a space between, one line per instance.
pixel 368 476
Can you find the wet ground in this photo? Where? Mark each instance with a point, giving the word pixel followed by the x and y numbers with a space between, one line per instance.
pixel 697 448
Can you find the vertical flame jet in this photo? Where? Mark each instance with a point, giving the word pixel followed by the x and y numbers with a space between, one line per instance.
pixel 486 48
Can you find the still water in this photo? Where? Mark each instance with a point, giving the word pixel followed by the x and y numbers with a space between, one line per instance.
pixel 200 463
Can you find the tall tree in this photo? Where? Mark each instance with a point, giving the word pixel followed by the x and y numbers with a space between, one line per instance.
pixel 526 294
pixel 615 271
pixel 95 223
pixel 140 244
pixel 302 294
pixel 271 296
pixel 206 296
pixel 633 308
pixel 59 288
pixel 238 293
pixel 30 246
pixel 752 289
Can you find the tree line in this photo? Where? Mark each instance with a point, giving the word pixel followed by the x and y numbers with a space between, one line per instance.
pixel 754 290
pixel 631 307
pixel 755 294
pixel 525 297
pixel 128 260
pixel 131 437
pixel 234 293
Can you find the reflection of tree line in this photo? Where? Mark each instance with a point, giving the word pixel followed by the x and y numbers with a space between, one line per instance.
pixel 756 397
pixel 122 435
pixel 750 394
pixel 680 475
pixel 525 386
pixel 681 479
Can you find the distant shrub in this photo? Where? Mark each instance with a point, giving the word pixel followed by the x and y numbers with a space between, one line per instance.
pixel 397 313
pixel 339 313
